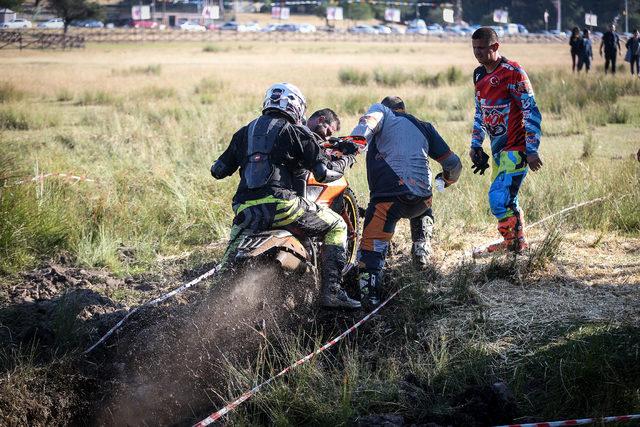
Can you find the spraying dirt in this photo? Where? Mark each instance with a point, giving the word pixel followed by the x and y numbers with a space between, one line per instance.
pixel 173 368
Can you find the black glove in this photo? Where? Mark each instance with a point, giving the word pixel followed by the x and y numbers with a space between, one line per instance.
pixel 347 147
pixel 480 160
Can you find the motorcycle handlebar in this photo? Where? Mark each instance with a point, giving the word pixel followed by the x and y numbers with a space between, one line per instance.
pixel 346 144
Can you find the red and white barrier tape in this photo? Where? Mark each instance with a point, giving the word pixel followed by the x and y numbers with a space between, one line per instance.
pixel 42 177
pixel 545 219
pixel 248 394
pixel 156 301
pixel 576 422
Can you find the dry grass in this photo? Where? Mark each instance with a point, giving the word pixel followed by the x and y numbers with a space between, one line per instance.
pixel 147 121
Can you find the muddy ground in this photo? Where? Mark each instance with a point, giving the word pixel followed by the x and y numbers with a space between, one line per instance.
pixel 169 364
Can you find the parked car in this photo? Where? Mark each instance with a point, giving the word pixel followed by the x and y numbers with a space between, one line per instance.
pixel 251 27
pixel 17 23
pixel 192 26
pixel 397 29
pixel 231 26
pixel 362 29
pixel 329 29
pixel 382 29
pixel 417 26
pixel 144 24
pixel 499 30
pixel 87 23
pixel 307 28
pixel 435 29
pixel 52 24
pixel 558 33
pixel 270 28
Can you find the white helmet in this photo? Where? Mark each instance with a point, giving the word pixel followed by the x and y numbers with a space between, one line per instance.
pixel 286 98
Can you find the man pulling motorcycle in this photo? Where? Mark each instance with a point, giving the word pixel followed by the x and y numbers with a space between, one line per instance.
pixel 269 151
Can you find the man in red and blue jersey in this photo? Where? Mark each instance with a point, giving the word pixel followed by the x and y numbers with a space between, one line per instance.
pixel 505 110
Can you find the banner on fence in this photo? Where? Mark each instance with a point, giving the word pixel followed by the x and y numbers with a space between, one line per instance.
pixel 211 12
pixel 278 12
pixel 392 14
pixel 500 16
pixel 591 19
pixel 139 13
pixel 334 14
pixel 447 15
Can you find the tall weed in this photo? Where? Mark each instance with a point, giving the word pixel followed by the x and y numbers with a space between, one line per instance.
pixel 9 93
pixel 351 76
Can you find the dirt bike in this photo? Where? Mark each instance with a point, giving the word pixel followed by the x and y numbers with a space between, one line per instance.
pixel 299 254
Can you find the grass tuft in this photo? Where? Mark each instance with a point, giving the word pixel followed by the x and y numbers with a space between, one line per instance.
pixel 149 70
pixel 351 76
pixel 391 78
pixel 8 93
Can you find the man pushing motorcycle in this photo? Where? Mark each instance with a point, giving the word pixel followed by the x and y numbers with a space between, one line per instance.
pixel 269 151
pixel 398 150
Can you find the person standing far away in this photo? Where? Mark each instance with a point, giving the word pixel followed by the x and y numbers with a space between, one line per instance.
pixel 633 45
pixel 585 55
pixel 505 110
pixel 576 44
pixel 611 44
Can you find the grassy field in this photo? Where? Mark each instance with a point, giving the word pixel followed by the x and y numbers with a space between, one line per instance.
pixel 146 122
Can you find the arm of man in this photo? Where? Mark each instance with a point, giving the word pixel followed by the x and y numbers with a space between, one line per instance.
pixel 371 122
pixel 313 156
pixel 228 162
pixel 477 135
pixel 522 92
pixel 601 45
pixel 441 153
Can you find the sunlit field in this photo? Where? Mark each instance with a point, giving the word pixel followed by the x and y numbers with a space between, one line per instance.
pixel 145 122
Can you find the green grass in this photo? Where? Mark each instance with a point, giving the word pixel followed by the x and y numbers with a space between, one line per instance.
pixel 149 70
pixel 152 160
pixel 351 76
pixel 150 148
pixel 8 93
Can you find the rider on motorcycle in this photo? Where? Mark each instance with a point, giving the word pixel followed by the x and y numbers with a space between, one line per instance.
pixel 269 151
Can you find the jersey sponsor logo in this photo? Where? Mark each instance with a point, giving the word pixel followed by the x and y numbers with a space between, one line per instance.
pixel 523 87
pixel 531 138
pixel 495 122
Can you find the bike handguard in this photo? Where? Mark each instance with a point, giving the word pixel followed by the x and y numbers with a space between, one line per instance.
pixel 347 145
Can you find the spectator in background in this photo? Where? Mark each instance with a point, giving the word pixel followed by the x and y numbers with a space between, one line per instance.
pixel 611 44
pixel 633 47
pixel 576 43
pixel 585 56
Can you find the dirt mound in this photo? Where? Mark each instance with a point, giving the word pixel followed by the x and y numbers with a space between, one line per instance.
pixel 54 304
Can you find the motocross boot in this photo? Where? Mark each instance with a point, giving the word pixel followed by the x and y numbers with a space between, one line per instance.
pixel 513 239
pixel 370 290
pixel 332 263
pixel 421 234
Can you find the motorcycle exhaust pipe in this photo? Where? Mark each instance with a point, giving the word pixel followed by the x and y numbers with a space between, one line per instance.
pixel 288 261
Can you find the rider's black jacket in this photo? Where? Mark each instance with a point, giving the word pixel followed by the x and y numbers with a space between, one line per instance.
pixel 295 148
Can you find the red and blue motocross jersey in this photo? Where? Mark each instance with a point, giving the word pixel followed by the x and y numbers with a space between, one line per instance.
pixel 506 109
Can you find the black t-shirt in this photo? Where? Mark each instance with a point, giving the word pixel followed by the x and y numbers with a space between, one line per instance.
pixel 576 44
pixel 610 40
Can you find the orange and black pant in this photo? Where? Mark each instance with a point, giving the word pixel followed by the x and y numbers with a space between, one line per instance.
pixel 380 221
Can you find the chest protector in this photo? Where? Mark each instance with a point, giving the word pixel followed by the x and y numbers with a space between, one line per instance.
pixel 260 169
